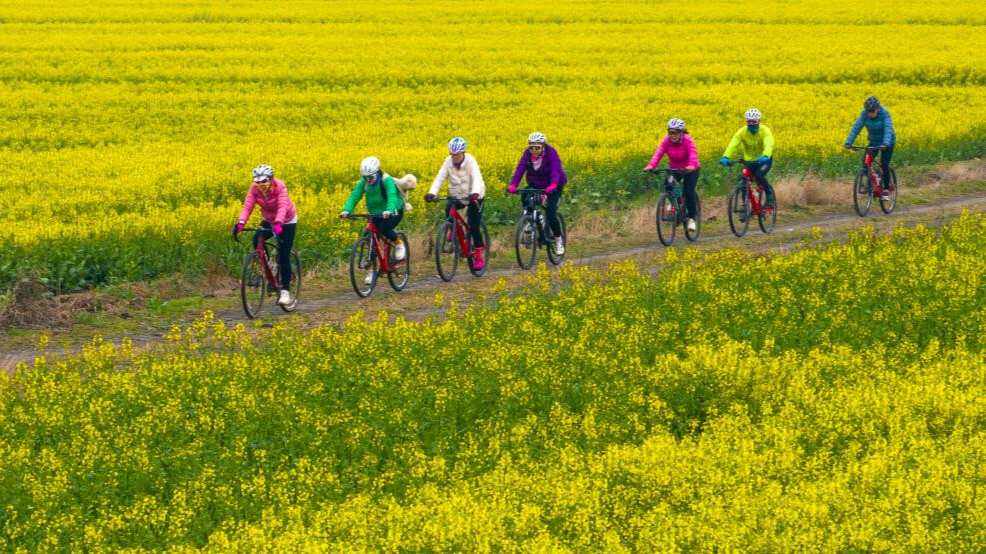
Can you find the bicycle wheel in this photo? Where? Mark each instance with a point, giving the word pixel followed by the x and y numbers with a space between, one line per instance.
pixel 889 204
pixel 486 252
pixel 363 266
pixel 400 271
pixel 553 256
pixel 666 218
pixel 738 206
pixel 693 236
pixel 295 287
pixel 767 217
pixel 526 241
pixel 253 285
pixel 446 251
pixel 862 193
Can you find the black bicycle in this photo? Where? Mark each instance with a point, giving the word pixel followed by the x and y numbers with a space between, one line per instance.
pixel 260 278
pixel 533 231
pixel 671 210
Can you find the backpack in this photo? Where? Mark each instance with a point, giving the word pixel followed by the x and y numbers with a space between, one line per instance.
pixel 404 184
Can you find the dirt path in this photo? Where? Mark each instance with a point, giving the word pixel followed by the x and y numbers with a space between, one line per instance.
pixel 417 301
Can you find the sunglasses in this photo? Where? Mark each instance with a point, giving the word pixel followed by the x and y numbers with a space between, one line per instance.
pixel 674 131
pixel 262 183
pixel 752 122
pixel 536 147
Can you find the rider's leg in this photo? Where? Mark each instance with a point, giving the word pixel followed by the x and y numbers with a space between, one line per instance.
pixel 265 229
pixel 551 212
pixel 474 215
pixel 885 157
pixel 284 245
pixel 760 172
pixel 691 197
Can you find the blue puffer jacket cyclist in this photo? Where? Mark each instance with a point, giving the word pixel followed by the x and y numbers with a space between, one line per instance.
pixel 879 128
pixel 754 142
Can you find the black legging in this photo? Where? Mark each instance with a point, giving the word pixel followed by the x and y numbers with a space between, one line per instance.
pixel 284 244
pixel 474 216
pixel 885 157
pixel 690 181
pixel 388 225
pixel 760 172
pixel 551 211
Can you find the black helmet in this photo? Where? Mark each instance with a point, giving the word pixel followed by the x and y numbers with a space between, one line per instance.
pixel 871 103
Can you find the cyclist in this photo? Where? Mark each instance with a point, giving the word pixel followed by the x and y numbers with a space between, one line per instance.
pixel 280 219
pixel 544 171
pixel 383 201
pixel 464 181
pixel 682 154
pixel 754 142
pixel 880 129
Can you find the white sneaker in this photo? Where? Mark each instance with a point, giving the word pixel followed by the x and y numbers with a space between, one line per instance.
pixel 284 298
pixel 369 279
pixel 691 225
pixel 559 246
pixel 400 251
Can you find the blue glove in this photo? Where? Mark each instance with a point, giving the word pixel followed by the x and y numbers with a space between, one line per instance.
pixel 724 161
pixel 763 159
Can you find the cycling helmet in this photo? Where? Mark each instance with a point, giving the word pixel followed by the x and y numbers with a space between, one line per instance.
pixel 537 137
pixel 871 103
pixel 369 166
pixel 457 145
pixel 262 172
pixel 676 124
pixel 753 114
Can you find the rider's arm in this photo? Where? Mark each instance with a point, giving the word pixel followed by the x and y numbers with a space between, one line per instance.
pixel 395 202
pixel 768 141
pixel 856 128
pixel 731 149
pixel 283 201
pixel 355 196
pixel 555 162
pixel 440 178
pixel 248 204
pixel 692 151
pixel 475 177
pixel 659 153
pixel 521 168
pixel 888 128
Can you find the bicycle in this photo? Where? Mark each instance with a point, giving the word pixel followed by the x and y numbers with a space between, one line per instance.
pixel 373 253
pixel 452 241
pixel 743 204
pixel 868 184
pixel 260 279
pixel 532 230
pixel 671 209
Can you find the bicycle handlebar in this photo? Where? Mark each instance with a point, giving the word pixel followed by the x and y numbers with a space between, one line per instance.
pixel 744 162
pixel 867 148
pixel 236 236
pixel 362 216
pixel 679 171
pixel 453 198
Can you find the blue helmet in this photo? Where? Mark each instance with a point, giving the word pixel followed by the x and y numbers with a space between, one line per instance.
pixel 871 103
pixel 457 145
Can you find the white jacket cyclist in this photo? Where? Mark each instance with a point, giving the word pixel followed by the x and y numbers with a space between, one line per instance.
pixel 462 181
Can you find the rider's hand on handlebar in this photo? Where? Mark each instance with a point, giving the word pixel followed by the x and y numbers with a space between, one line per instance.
pixel 689 168
pixel 430 198
pixel 724 161
pixel 278 229
pixel 847 146
pixel 385 215
pixel 648 168
pixel 237 229
pixel 474 198
pixel 512 189
pixel 343 215
pixel 551 188
pixel 884 146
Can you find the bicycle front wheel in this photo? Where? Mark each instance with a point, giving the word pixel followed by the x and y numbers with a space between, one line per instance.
pixel 253 285
pixel 363 267
pixel 667 219
pixel 553 255
pixel 692 236
pixel 862 193
pixel 526 241
pixel 888 204
pixel 767 217
pixel 446 251
pixel 295 287
pixel 400 270
pixel 738 206
pixel 486 252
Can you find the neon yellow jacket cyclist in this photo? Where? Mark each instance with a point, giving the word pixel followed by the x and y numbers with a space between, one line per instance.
pixel 751 146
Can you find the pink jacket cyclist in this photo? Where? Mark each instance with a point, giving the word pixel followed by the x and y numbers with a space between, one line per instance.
pixel 276 207
pixel 682 154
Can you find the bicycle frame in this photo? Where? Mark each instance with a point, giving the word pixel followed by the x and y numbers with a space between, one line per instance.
pixel 532 202
pixel 273 282
pixel 462 228
pixel 376 238
pixel 750 178
pixel 868 160
pixel 673 177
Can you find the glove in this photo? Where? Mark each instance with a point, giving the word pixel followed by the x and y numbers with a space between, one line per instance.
pixel 512 189
pixel 430 197
pixel 278 229
pixel 385 215
pixel 474 198
pixel 237 229
pixel 343 215
pixel 551 188
pixel 763 159
pixel 724 161
pixel 884 146
pixel 847 146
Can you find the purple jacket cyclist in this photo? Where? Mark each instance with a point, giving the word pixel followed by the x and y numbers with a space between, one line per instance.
pixel 541 164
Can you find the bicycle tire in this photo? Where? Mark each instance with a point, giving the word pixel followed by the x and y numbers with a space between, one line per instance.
pixel 888 206
pixel 526 237
pixel 553 257
pixel 692 237
pixel 767 218
pixel 363 258
pixel 400 272
pixel 295 287
pixel 862 193
pixel 253 284
pixel 666 219
pixel 738 206
pixel 446 268
pixel 486 252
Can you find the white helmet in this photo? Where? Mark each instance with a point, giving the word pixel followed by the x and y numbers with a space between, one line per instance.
pixel 457 145
pixel 537 137
pixel 262 172
pixel 369 166
pixel 753 114
pixel 676 124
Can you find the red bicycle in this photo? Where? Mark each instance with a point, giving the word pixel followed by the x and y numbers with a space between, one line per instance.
pixel 260 276
pixel 372 254
pixel 743 203
pixel 453 241
pixel 869 185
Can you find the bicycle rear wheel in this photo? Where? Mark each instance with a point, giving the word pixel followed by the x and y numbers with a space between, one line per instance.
pixel 767 217
pixel 253 285
pixel 666 219
pixel 486 252
pixel 693 236
pixel 446 251
pixel 295 287
pixel 738 206
pixel 888 205
pixel 363 266
pixel 400 271
pixel 862 193
pixel 553 256
pixel 526 241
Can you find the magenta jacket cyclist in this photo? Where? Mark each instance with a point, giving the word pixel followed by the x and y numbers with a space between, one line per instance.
pixel 682 154
pixel 542 166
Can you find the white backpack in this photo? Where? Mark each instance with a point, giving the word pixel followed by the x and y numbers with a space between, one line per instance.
pixel 404 184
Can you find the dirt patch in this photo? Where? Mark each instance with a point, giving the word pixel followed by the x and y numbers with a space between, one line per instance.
pixel 30 306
